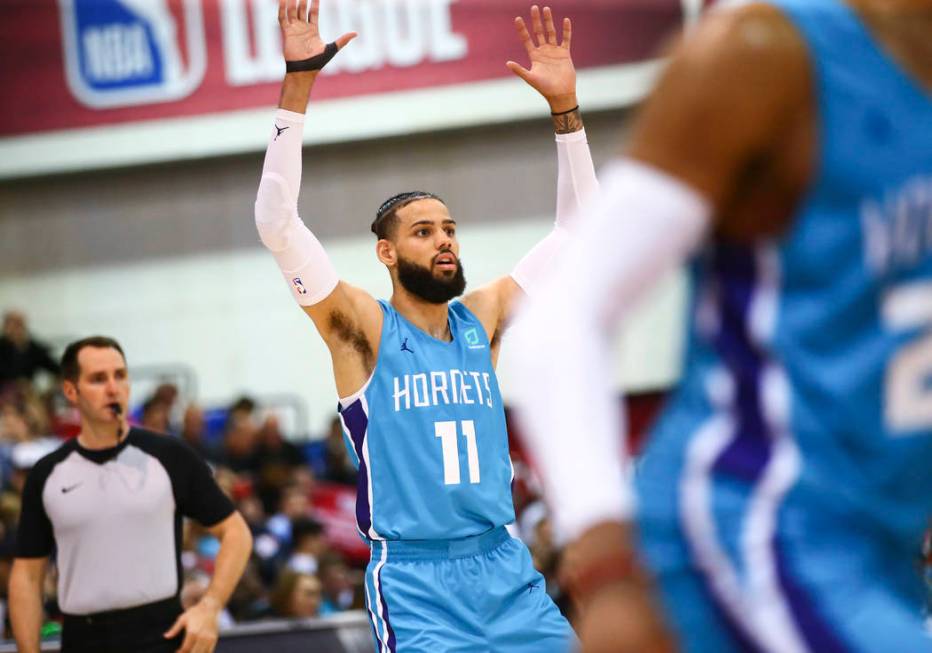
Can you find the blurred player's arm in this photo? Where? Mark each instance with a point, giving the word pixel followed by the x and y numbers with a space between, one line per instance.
pixel 727 99
pixel 344 315
pixel 26 579
pixel 553 75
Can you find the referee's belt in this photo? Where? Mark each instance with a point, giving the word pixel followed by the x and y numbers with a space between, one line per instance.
pixel 165 609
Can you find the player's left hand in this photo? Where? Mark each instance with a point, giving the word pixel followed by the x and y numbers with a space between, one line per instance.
pixel 200 625
pixel 552 73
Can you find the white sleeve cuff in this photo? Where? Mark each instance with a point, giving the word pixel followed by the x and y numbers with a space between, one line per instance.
pixel 290 116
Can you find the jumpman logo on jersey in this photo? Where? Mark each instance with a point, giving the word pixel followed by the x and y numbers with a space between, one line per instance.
pixel 279 130
pixel 404 346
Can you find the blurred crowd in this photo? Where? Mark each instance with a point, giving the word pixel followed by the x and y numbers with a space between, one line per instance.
pixel 296 493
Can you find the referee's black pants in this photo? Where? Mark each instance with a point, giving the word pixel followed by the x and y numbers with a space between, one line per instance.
pixel 133 630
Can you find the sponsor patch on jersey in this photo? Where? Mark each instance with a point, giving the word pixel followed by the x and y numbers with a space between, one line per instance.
pixel 128 52
pixel 471 336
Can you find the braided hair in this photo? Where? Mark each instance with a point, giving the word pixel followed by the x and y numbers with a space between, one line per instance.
pixel 385 216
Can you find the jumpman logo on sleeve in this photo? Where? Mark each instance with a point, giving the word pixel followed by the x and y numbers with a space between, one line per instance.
pixel 279 130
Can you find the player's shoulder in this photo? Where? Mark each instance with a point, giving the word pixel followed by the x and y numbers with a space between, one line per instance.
pixel 483 304
pixel 488 297
pixel 751 34
pixel 492 303
pixel 739 72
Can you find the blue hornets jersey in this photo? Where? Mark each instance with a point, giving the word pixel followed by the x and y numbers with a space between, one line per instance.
pixel 428 435
pixel 809 370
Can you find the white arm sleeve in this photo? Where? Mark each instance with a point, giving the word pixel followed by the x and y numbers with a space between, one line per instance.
pixel 644 224
pixel 300 256
pixel 576 183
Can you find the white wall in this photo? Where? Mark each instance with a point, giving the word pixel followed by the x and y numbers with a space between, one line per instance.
pixel 231 318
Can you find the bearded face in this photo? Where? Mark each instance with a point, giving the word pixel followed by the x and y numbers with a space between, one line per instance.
pixel 438 283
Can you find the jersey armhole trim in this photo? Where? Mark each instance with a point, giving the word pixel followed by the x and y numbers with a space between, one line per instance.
pixel 346 402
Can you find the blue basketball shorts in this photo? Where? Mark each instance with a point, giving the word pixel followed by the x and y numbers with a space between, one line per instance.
pixel 477 594
pixel 740 571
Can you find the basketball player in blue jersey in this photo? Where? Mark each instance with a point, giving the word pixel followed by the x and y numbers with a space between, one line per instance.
pixel 787 151
pixel 420 403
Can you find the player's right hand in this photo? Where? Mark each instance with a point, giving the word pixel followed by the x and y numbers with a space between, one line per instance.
pixel 300 35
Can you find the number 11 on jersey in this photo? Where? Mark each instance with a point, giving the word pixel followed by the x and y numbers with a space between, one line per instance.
pixel 449 441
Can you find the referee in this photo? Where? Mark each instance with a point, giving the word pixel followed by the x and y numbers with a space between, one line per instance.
pixel 109 505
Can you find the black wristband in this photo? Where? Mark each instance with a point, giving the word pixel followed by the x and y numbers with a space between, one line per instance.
pixel 563 113
pixel 317 62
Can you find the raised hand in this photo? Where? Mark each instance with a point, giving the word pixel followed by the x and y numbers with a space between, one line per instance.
pixel 552 73
pixel 300 34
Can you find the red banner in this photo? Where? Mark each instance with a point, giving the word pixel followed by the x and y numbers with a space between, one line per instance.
pixel 81 63
pixel 335 507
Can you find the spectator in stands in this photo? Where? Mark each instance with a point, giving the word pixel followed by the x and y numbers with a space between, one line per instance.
pixel 303 478
pixel 155 414
pixel 294 504
pixel 240 440
pixel 339 589
pixel 14 426
pixel 297 595
pixel 22 412
pixel 18 427
pixel 277 457
pixel 339 469
pixel 250 600
pixel 192 432
pixel 20 355
pixel 167 393
pixel 251 508
pixel 308 544
pixel 274 447
pixel 243 407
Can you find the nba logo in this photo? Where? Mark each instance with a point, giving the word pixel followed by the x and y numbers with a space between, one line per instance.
pixel 471 336
pixel 127 52
pixel 299 286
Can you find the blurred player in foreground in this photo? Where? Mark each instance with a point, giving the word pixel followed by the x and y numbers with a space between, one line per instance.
pixel 787 152
pixel 416 375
